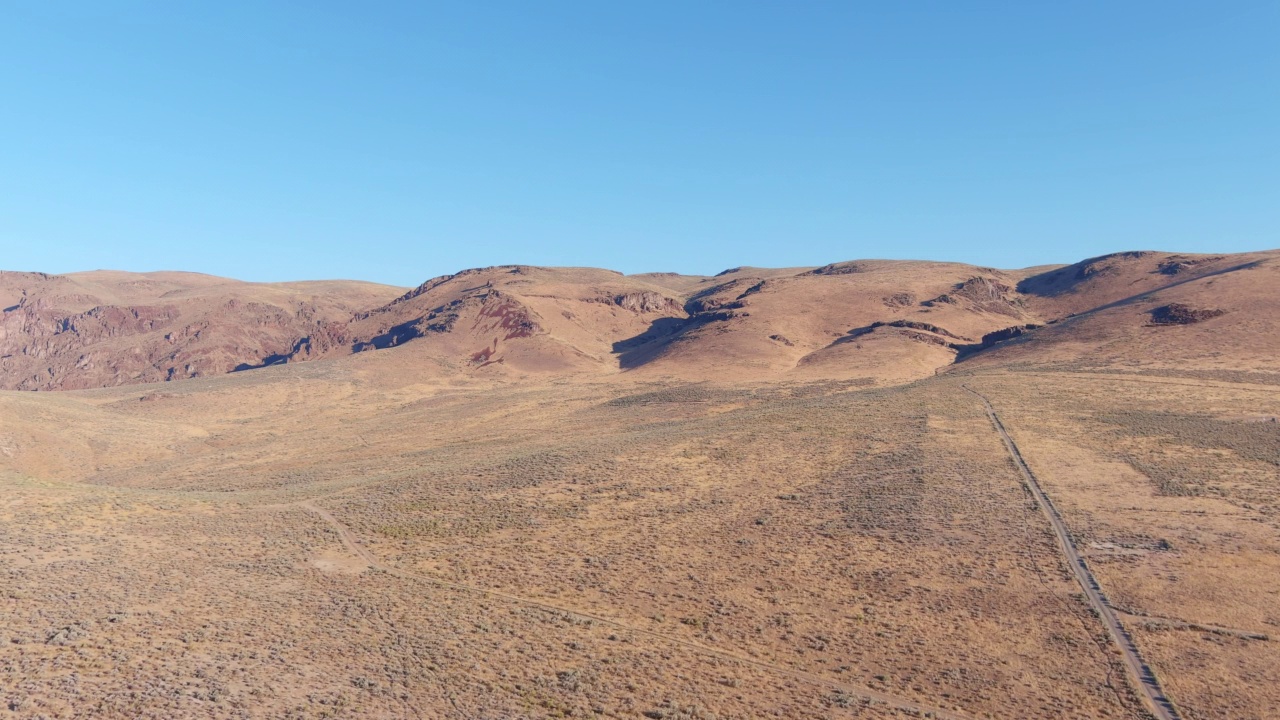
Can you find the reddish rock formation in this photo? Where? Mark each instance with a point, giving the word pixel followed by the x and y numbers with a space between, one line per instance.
pixel 1180 314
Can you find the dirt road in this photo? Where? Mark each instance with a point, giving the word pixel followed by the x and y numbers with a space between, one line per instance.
pixel 917 709
pixel 1139 672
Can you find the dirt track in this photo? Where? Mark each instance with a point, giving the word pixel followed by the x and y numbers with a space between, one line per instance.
pixel 349 540
pixel 1139 672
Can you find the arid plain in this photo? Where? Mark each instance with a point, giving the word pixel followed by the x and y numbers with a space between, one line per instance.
pixel 531 492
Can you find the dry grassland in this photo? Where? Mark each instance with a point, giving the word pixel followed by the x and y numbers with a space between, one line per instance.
pixel 337 540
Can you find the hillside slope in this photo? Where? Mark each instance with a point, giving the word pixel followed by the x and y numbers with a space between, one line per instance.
pixel 878 319
pixel 104 328
pixel 1153 310
pixel 873 321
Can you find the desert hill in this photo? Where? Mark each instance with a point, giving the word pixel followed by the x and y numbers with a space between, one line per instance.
pixel 104 328
pixel 877 321
pixel 517 318
pixel 1153 310
pixel 891 320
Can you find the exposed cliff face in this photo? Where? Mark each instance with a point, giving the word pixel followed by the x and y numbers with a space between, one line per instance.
pixel 646 302
pixel 985 294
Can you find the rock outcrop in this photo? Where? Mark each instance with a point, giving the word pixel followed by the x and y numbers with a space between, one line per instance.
pixel 1180 314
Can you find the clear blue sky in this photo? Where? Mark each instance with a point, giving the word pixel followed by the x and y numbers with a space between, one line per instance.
pixel 394 141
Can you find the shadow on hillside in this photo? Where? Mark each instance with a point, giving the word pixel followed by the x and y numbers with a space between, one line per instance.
pixel 394 336
pixel 640 349
pixel 268 361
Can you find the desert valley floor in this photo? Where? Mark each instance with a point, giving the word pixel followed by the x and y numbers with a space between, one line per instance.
pixel 365 535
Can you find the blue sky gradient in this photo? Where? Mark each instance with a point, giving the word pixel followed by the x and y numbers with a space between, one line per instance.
pixel 395 141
